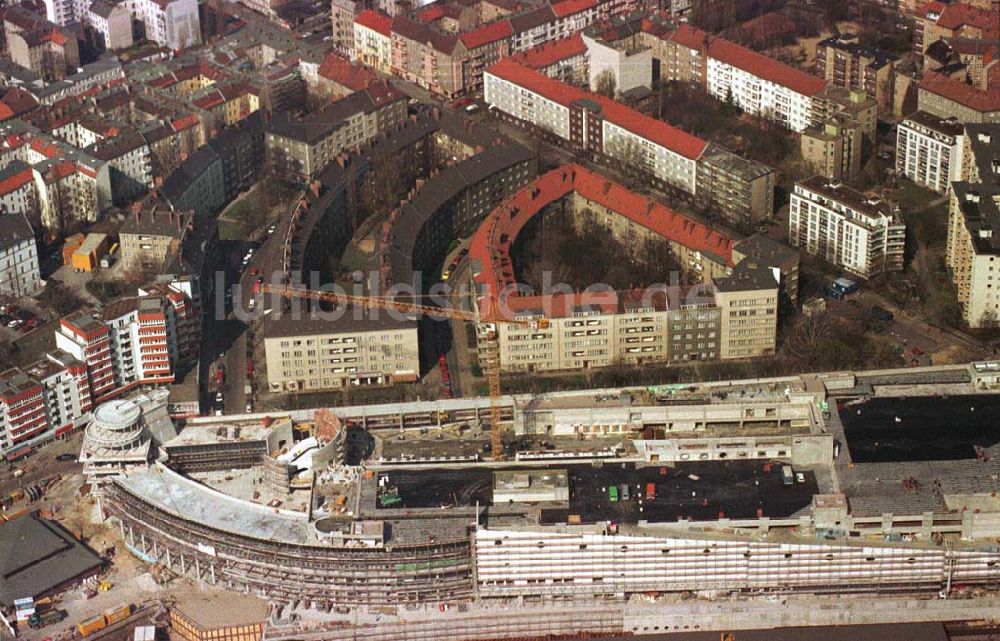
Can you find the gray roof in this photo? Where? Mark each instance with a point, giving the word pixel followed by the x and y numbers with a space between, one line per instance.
pixel 347 320
pixel 14 230
pixel 37 556
pixel 102 8
pixel 749 274
pixel 766 249
pixel 315 127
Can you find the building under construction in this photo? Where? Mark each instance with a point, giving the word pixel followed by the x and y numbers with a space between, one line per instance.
pixel 794 494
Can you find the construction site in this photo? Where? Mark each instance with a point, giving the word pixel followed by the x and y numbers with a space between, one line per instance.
pixel 794 489
pixel 387 520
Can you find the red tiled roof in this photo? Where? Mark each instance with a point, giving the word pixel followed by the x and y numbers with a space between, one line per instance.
pixel 657 131
pixel 688 36
pixel 59 171
pixel 5 111
pixel 552 52
pixel 375 21
pixel 487 34
pixel 15 182
pixel 764 67
pixel 180 124
pixel 966 95
pixel 491 243
pixel 212 99
pixel 431 13
pixel 19 101
pixel 931 7
pixel 341 71
pixel 569 7
pixel 959 15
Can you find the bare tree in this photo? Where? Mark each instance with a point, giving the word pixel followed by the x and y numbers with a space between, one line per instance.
pixel 605 84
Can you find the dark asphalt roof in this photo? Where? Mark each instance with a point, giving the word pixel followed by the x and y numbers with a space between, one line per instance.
pixel 36 556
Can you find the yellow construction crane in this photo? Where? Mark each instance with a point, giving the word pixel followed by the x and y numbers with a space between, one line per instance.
pixel 488 336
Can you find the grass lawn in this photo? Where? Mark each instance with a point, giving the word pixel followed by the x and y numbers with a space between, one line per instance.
pixel 242 217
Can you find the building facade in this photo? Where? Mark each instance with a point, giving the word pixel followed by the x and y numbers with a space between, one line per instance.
pixel 973 251
pixel 310 355
pixel 929 150
pixel 859 234
pixel 46 399
pixel 19 274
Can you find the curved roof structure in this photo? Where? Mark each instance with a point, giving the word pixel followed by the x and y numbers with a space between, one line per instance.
pixel 491 244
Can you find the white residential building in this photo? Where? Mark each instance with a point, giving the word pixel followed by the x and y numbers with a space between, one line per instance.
pixel 760 85
pixel 594 123
pixel 631 67
pixel 132 342
pixel 19 275
pixel 45 399
pixel 113 22
pixel 373 40
pixel 973 251
pixel 864 236
pixel 929 150
pixel 170 23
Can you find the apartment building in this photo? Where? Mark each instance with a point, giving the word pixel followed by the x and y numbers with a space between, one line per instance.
pixel 659 323
pixel 936 21
pixel 844 62
pixel 132 342
pixel 373 40
pixel 306 145
pixel 973 252
pixel 359 348
pixel 941 96
pixel 170 23
pixel 929 150
pixel 748 310
pixel 445 48
pixel 835 101
pixel 782 259
pixel 833 148
pixel 149 239
pixel 18 191
pixel 594 123
pixel 566 60
pixel 36 44
pixel 130 160
pixel 860 234
pixel 343 13
pixel 44 400
pixel 599 329
pixel 19 275
pixel 760 85
pixel 740 189
pixel 113 22
pixel 71 187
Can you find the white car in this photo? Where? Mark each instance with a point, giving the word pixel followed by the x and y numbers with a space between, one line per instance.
pixel 218 397
pixel 800 477
pixel 249 408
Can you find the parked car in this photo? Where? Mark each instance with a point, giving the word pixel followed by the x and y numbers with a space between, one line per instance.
pixel 66 457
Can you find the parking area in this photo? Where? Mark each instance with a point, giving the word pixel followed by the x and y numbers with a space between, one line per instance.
pixel 697 491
